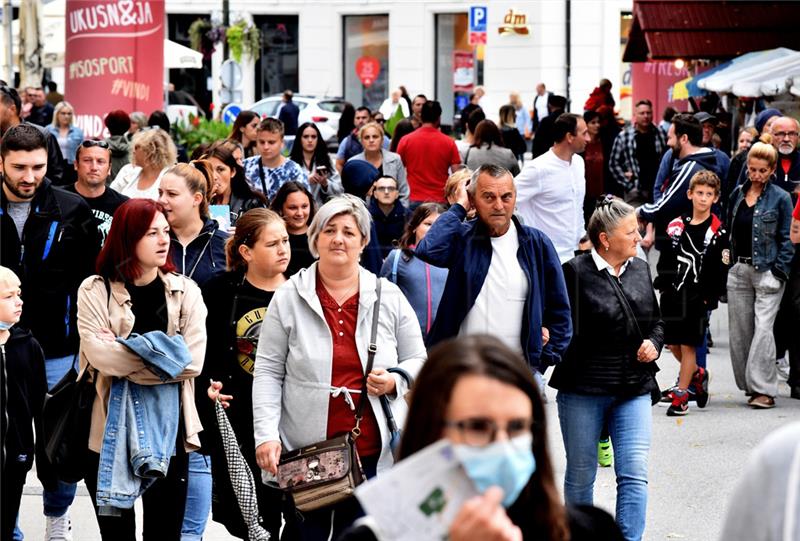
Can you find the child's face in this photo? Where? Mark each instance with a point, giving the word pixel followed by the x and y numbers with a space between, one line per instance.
pixel 10 303
pixel 702 197
pixel 269 144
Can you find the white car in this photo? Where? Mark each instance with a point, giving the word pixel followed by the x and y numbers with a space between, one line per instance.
pixel 322 111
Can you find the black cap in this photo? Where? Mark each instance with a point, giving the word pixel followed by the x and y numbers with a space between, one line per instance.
pixel 702 117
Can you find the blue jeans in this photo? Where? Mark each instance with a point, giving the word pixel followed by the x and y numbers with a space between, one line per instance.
pixel 57 502
pixel 630 426
pixel 198 497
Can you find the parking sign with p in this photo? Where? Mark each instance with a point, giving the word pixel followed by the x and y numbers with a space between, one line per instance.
pixel 477 19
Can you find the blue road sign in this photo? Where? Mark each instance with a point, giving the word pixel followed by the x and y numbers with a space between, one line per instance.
pixel 230 112
pixel 477 19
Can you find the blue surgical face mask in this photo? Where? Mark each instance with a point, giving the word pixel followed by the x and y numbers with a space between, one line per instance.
pixel 5 326
pixel 507 464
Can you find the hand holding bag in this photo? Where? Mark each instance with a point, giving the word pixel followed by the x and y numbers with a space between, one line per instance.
pixel 327 472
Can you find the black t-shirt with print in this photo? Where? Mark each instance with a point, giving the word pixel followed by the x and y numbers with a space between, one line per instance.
pixel 103 208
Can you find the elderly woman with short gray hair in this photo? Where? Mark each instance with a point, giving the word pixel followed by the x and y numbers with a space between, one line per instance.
pixel 312 356
pixel 608 373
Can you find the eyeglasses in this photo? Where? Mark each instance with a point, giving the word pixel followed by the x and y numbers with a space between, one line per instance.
pixel 89 143
pixel 480 431
pixel 385 189
pixel 784 134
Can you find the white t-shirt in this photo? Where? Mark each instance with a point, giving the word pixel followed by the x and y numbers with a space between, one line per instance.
pixel 499 307
pixel 127 182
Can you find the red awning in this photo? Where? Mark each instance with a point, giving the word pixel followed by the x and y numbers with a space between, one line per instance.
pixel 666 29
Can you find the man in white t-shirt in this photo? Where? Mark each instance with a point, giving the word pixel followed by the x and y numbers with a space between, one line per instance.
pixel 505 278
pixel 551 188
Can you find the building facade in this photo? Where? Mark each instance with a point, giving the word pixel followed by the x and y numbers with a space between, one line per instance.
pixel 361 50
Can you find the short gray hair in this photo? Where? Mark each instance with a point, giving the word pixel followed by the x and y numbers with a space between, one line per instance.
pixel 493 170
pixel 341 204
pixel 606 217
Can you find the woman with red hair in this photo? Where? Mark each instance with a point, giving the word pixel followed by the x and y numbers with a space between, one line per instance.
pixel 137 291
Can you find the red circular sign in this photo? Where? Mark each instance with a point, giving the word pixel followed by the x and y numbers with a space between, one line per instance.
pixel 368 68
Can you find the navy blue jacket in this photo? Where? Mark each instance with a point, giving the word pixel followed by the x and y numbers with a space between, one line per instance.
pixel 389 228
pixel 466 249
pixel 204 258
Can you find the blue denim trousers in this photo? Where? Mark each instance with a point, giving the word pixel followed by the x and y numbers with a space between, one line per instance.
pixel 630 425
pixel 198 497
pixel 57 502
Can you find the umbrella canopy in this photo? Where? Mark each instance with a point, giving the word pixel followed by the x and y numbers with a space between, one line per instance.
pixel 176 56
pixel 30 44
pixel 746 74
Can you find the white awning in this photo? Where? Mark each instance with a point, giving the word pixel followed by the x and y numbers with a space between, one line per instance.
pixel 763 73
pixel 176 56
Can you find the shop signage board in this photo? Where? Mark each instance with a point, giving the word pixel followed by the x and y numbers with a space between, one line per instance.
pixel 114 59
pixel 463 71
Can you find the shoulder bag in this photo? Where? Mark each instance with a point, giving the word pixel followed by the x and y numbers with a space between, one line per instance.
pixel 327 472
pixel 67 414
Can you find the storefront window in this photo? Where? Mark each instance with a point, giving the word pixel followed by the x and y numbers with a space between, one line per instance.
pixel 277 68
pixel 456 66
pixel 366 59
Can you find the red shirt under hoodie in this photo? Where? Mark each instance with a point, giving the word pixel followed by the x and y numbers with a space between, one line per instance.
pixel 347 371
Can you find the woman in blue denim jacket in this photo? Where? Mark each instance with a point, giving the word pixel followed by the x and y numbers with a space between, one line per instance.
pixel 68 135
pixel 759 219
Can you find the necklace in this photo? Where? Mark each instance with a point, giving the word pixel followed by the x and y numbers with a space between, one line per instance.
pixel 340 299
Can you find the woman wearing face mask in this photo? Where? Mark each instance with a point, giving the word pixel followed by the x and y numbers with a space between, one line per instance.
pixel 258 254
pixel 387 163
pixel 137 291
pixel 312 155
pixel 295 204
pixel 311 359
pixel 502 442
pixel 230 187
pixel 421 283
pixel 760 214
pixel 607 376
pixel 198 245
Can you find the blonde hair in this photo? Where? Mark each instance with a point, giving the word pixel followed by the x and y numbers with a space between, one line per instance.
pixel 763 150
pixel 159 150
pixel 198 176
pixel 370 125
pixel 8 280
pixel 248 228
pixel 454 181
pixel 63 105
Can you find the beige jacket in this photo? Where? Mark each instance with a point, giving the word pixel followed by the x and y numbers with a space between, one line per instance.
pixel 186 315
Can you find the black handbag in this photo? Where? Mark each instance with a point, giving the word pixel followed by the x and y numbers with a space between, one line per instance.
pixel 327 472
pixel 67 414
pixel 67 419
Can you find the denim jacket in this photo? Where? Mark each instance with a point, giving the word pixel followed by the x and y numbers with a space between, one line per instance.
pixel 772 217
pixel 132 457
pixel 74 138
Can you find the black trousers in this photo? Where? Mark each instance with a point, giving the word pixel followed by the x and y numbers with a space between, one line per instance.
pixel 786 324
pixel 11 484
pixel 163 504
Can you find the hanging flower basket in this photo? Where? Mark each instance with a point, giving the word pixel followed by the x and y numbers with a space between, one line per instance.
pixel 204 37
pixel 244 39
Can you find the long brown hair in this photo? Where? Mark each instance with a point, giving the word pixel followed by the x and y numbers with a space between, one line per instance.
pixel 248 228
pixel 539 507
pixel 409 236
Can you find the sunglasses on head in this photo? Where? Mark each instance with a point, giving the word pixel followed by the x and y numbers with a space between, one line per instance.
pixel 89 143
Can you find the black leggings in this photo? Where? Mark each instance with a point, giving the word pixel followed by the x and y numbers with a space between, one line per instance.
pixel 163 504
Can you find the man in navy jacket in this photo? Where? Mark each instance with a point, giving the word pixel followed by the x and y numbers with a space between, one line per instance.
pixel 505 278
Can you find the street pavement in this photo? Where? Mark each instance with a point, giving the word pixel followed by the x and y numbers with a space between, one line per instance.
pixel 695 461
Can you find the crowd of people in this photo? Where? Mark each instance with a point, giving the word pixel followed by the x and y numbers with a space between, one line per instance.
pixel 379 292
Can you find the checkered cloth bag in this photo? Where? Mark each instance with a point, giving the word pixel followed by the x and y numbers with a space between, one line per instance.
pixel 244 486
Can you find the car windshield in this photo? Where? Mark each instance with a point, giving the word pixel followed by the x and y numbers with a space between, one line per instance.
pixel 332 106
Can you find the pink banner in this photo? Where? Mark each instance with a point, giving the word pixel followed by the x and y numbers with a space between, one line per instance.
pixel 114 59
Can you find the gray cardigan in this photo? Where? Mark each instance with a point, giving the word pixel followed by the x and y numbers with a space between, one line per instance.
pixel 292 376
pixel 393 167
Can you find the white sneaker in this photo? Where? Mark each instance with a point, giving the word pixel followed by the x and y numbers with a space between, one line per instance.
pixel 58 528
pixel 783 368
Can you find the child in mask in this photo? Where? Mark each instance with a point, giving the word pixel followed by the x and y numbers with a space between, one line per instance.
pixel 501 441
pixel 22 393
